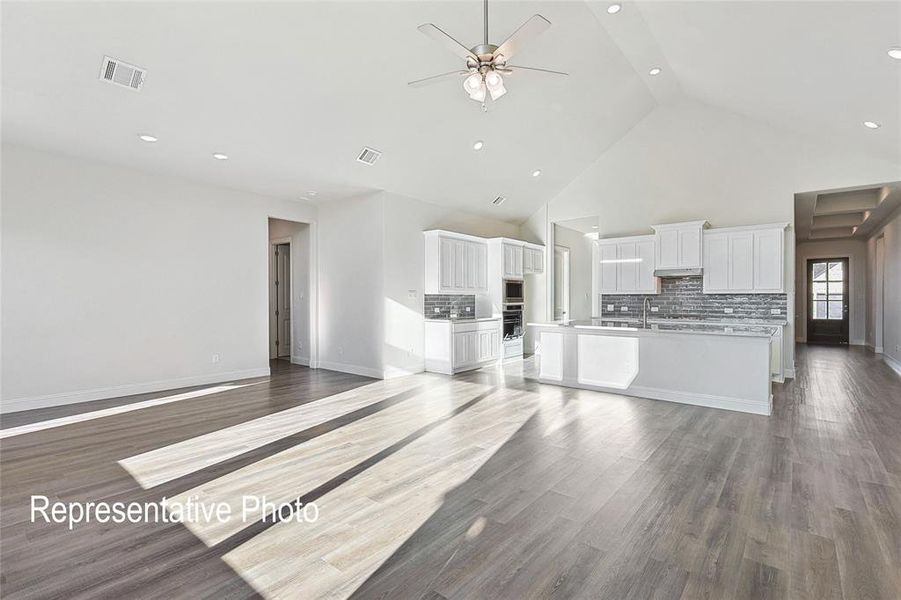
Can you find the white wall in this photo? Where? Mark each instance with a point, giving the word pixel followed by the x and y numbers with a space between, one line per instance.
pixel 691 161
pixel 351 285
pixel 891 342
pixel 579 270
pixel 117 282
pixel 301 273
pixel 856 253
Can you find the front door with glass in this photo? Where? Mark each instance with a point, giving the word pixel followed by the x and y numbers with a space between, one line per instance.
pixel 827 301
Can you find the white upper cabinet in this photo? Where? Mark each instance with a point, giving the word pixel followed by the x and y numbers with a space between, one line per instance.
pixel 512 260
pixel 679 245
pixel 532 259
pixel 626 266
pixel 745 259
pixel 455 264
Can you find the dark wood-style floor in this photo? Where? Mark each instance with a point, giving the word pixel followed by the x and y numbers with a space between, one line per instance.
pixel 485 485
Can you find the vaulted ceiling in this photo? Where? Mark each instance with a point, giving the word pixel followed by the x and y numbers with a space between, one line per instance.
pixel 293 91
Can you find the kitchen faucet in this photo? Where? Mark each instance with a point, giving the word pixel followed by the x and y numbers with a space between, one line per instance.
pixel 644 310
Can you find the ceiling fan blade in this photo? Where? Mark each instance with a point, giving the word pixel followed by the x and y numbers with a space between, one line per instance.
pixel 436 78
pixel 528 30
pixel 515 67
pixel 440 36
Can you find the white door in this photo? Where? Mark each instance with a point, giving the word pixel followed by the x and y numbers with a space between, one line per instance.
pixel 561 283
pixel 645 253
pixel 627 254
pixel 280 302
pixel 741 261
pixel 689 248
pixel 607 268
pixel 716 262
pixel 446 256
pixel 768 257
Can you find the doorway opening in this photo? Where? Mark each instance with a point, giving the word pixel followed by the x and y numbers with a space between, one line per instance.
pixel 290 294
pixel 827 308
pixel 561 283
pixel 280 300
pixel 879 296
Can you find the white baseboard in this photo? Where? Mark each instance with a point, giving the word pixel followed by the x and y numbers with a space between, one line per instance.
pixel 352 369
pixel 894 364
pixel 878 349
pixel 300 360
pixel 394 372
pixel 857 343
pixel 31 402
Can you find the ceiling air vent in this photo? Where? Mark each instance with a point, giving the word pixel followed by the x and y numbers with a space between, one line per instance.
pixel 122 74
pixel 498 201
pixel 369 156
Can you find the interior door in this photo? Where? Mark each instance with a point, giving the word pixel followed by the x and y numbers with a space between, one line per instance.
pixel 827 301
pixel 282 292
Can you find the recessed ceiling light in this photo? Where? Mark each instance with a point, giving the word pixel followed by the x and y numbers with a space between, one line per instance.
pixel 536 172
pixel 220 156
pixel 614 8
pixel 478 145
pixel 871 124
pixel 147 138
pixel 655 71
pixel 895 52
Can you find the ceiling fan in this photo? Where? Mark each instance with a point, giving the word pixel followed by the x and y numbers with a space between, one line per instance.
pixel 486 63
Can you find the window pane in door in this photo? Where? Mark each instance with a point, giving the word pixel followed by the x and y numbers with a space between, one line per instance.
pixel 835 272
pixel 836 288
pixel 819 291
pixel 819 271
pixel 835 310
pixel 819 310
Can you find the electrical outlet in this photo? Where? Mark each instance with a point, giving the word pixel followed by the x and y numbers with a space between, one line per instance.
pixel 611 307
pixel 624 309
pixel 411 294
pixel 728 311
pixel 468 309
pixel 775 311
pixel 655 308
pixel 436 310
pixel 215 358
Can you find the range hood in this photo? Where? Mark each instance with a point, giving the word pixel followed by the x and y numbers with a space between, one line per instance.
pixel 678 272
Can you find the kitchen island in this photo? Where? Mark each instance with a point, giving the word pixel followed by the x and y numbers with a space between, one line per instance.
pixel 719 366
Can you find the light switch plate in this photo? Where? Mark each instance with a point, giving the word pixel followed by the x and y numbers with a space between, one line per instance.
pixel 624 309
pixel 655 308
pixel 728 311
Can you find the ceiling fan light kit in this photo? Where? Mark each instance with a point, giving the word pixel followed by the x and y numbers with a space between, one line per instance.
pixel 486 62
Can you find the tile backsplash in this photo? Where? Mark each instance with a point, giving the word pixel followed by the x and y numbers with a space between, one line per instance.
pixel 448 306
pixel 683 298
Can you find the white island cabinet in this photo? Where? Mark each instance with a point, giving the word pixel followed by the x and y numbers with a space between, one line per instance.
pixel 717 366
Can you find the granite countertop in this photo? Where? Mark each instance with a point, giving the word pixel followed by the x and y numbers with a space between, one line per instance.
pixel 766 331
pixel 725 321
pixel 463 319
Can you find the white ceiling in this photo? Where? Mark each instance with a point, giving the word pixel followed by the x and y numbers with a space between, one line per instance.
pixel 849 213
pixel 815 68
pixel 292 91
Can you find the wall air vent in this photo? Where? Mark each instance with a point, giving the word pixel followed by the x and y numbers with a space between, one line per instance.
pixel 368 156
pixel 121 73
pixel 498 201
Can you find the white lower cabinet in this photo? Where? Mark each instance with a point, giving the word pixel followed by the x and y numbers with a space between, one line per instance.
pixel 455 346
